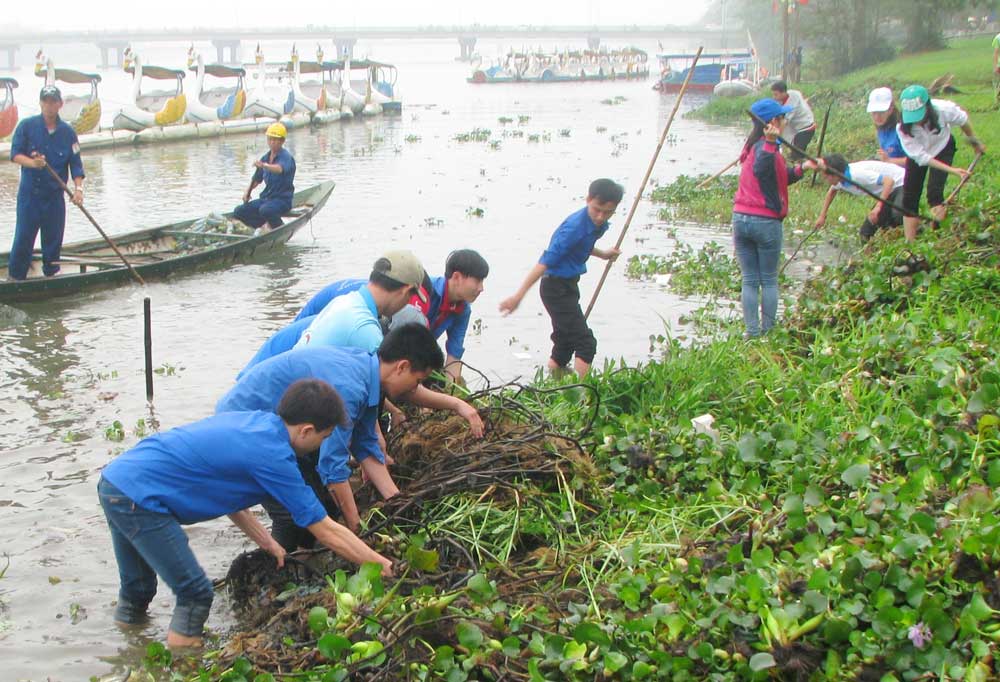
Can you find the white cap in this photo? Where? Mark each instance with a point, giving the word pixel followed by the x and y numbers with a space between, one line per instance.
pixel 879 100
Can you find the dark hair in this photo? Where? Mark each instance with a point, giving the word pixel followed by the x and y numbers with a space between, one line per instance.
pixel 606 191
pixel 779 86
pixel 752 139
pixel 891 120
pixel 930 121
pixel 836 162
pixel 312 401
pixel 413 342
pixel 466 262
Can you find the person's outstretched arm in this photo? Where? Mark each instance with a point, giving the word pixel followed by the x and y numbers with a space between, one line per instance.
pixel 348 545
pixel 509 305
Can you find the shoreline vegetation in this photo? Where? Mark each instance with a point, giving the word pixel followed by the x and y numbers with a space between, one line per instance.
pixel 837 520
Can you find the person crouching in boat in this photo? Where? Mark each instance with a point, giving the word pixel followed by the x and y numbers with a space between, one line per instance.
pixel 925 134
pixel 276 169
pixel 878 177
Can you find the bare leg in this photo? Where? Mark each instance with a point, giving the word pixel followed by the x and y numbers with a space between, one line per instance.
pixel 910 226
pixel 176 640
pixel 939 212
pixel 582 368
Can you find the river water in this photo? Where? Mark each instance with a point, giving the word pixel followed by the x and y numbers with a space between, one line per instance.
pixel 71 368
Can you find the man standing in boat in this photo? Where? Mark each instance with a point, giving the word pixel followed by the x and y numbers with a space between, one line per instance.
pixel 39 141
pixel 276 169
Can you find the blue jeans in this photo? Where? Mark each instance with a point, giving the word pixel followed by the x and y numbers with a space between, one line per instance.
pixel 757 242
pixel 148 544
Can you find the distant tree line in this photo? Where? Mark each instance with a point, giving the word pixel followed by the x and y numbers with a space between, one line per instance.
pixel 843 35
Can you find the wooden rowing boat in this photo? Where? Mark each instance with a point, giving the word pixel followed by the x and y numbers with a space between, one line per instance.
pixel 155 253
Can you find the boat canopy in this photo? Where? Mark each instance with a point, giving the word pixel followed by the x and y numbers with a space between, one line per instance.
pixel 160 73
pixel 706 55
pixel 71 76
pixel 216 70
pixel 367 63
pixel 308 67
pixel 8 83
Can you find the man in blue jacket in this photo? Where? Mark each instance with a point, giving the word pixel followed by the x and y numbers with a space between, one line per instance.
pixel 222 465
pixel 276 169
pixel 37 141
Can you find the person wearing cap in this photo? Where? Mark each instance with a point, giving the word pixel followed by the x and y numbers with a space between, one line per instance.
pixel 37 141
pixel 884 115
pixel 449 304
pixel 222 465
pixel 331 291
pixel 407 356
pixel 759 207
pixel 878 177
pixel 800 123
pixel 560 267
pixel 276 169
pixel 352 321
pixel 925 134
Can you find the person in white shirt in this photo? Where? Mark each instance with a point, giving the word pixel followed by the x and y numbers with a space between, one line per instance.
pixel 800 123
pixel 925 134
pixel 878 177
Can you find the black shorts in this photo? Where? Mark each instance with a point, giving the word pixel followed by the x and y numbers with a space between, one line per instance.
pixel 801 140
pixel 916 174
pixel 889 215
pixel 570 333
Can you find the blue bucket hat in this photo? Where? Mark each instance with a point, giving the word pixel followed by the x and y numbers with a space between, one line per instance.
pixel 768 109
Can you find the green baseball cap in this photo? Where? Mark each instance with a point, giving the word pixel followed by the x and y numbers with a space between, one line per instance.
pixel 913 101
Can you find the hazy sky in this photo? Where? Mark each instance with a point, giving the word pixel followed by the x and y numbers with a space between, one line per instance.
pixel 73 14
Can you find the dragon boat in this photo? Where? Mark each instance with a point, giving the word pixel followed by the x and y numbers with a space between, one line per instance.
pixel 82 112
pixel 154 108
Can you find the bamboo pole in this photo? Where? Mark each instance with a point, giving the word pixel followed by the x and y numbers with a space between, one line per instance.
pixel 649 171
pixel 704 183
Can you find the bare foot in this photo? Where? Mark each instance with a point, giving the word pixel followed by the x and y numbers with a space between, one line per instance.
pixel 175 640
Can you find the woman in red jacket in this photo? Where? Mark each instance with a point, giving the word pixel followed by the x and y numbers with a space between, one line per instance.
pixel 760 204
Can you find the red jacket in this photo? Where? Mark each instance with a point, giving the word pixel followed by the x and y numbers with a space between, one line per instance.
pixel 764 181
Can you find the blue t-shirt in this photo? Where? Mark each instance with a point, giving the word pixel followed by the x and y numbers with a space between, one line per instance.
pixel 571 245
pixel 280 186
pixel 328 293
pixel 355 376
pixel 888 140
pixel 216 466
pixel 349 321
pixel 280 341
pixel 61 148
pixel 456 324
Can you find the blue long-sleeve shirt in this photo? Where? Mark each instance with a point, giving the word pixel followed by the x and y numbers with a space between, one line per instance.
pixel 279 342
pixel 455 322
pixel 61 149
pixel 328 293
pixel 277 185
pixel 571 245
pixel 352 372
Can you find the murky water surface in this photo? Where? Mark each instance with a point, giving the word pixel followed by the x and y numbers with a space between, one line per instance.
pixel 71 368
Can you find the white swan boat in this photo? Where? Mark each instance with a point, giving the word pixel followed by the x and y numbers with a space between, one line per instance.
pixel 8 108
pixel 263 99
pixel 218 103
pixel 377 80
pixel 156 107
pixel 555 67
pixel 82 112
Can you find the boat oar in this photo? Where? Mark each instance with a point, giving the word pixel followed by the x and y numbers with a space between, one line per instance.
pixel 649 171
pixel 93 222
pixel 843 178
pixel 822 138
pixel 705 183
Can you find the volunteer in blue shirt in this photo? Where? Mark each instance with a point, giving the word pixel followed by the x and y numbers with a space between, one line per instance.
pixel 220 465
pixel 885 117
pixel 406 357
pixel 38 140
pixel 560 268
pixel 276 169
pixel 448 308
pixel 328 293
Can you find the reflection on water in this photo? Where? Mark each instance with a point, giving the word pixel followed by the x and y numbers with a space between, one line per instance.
pixel 74 366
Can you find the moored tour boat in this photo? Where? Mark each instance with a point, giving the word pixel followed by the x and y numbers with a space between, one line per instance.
pixel 158 252
pixel 710 70
pixel 566 66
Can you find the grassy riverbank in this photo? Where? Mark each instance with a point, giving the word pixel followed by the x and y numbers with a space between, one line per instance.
pixel 839 522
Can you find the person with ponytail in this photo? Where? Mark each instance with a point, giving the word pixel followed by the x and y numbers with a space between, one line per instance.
pixel 925 133
pixel 760 205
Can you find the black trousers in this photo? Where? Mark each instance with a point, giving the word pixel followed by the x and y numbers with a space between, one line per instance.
pixel 283 528
pixel 888 216
pixel 801 140
pixel 916 174
pixel 570 333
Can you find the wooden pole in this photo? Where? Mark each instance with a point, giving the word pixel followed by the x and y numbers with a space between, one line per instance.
pixel 822 139
pixel 705 183
pixel 147 319
pixel 784 33
pixel 93 222
pixel 649 171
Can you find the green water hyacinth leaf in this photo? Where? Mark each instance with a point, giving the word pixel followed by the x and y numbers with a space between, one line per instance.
pixel 469 635
pixel 614 661
pixel 589 632
pixel 762 661
pixel 426 560
pixel 331 645
pixel 318 619
pixel 855 476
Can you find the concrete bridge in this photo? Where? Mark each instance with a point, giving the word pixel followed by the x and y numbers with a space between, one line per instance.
pixel 112 43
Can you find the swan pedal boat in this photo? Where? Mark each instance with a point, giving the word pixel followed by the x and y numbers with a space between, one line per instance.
pixel 156 253
pixel 8 108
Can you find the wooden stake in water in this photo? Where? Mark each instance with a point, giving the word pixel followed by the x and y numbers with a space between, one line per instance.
pixel 649 171
pixel 148 338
